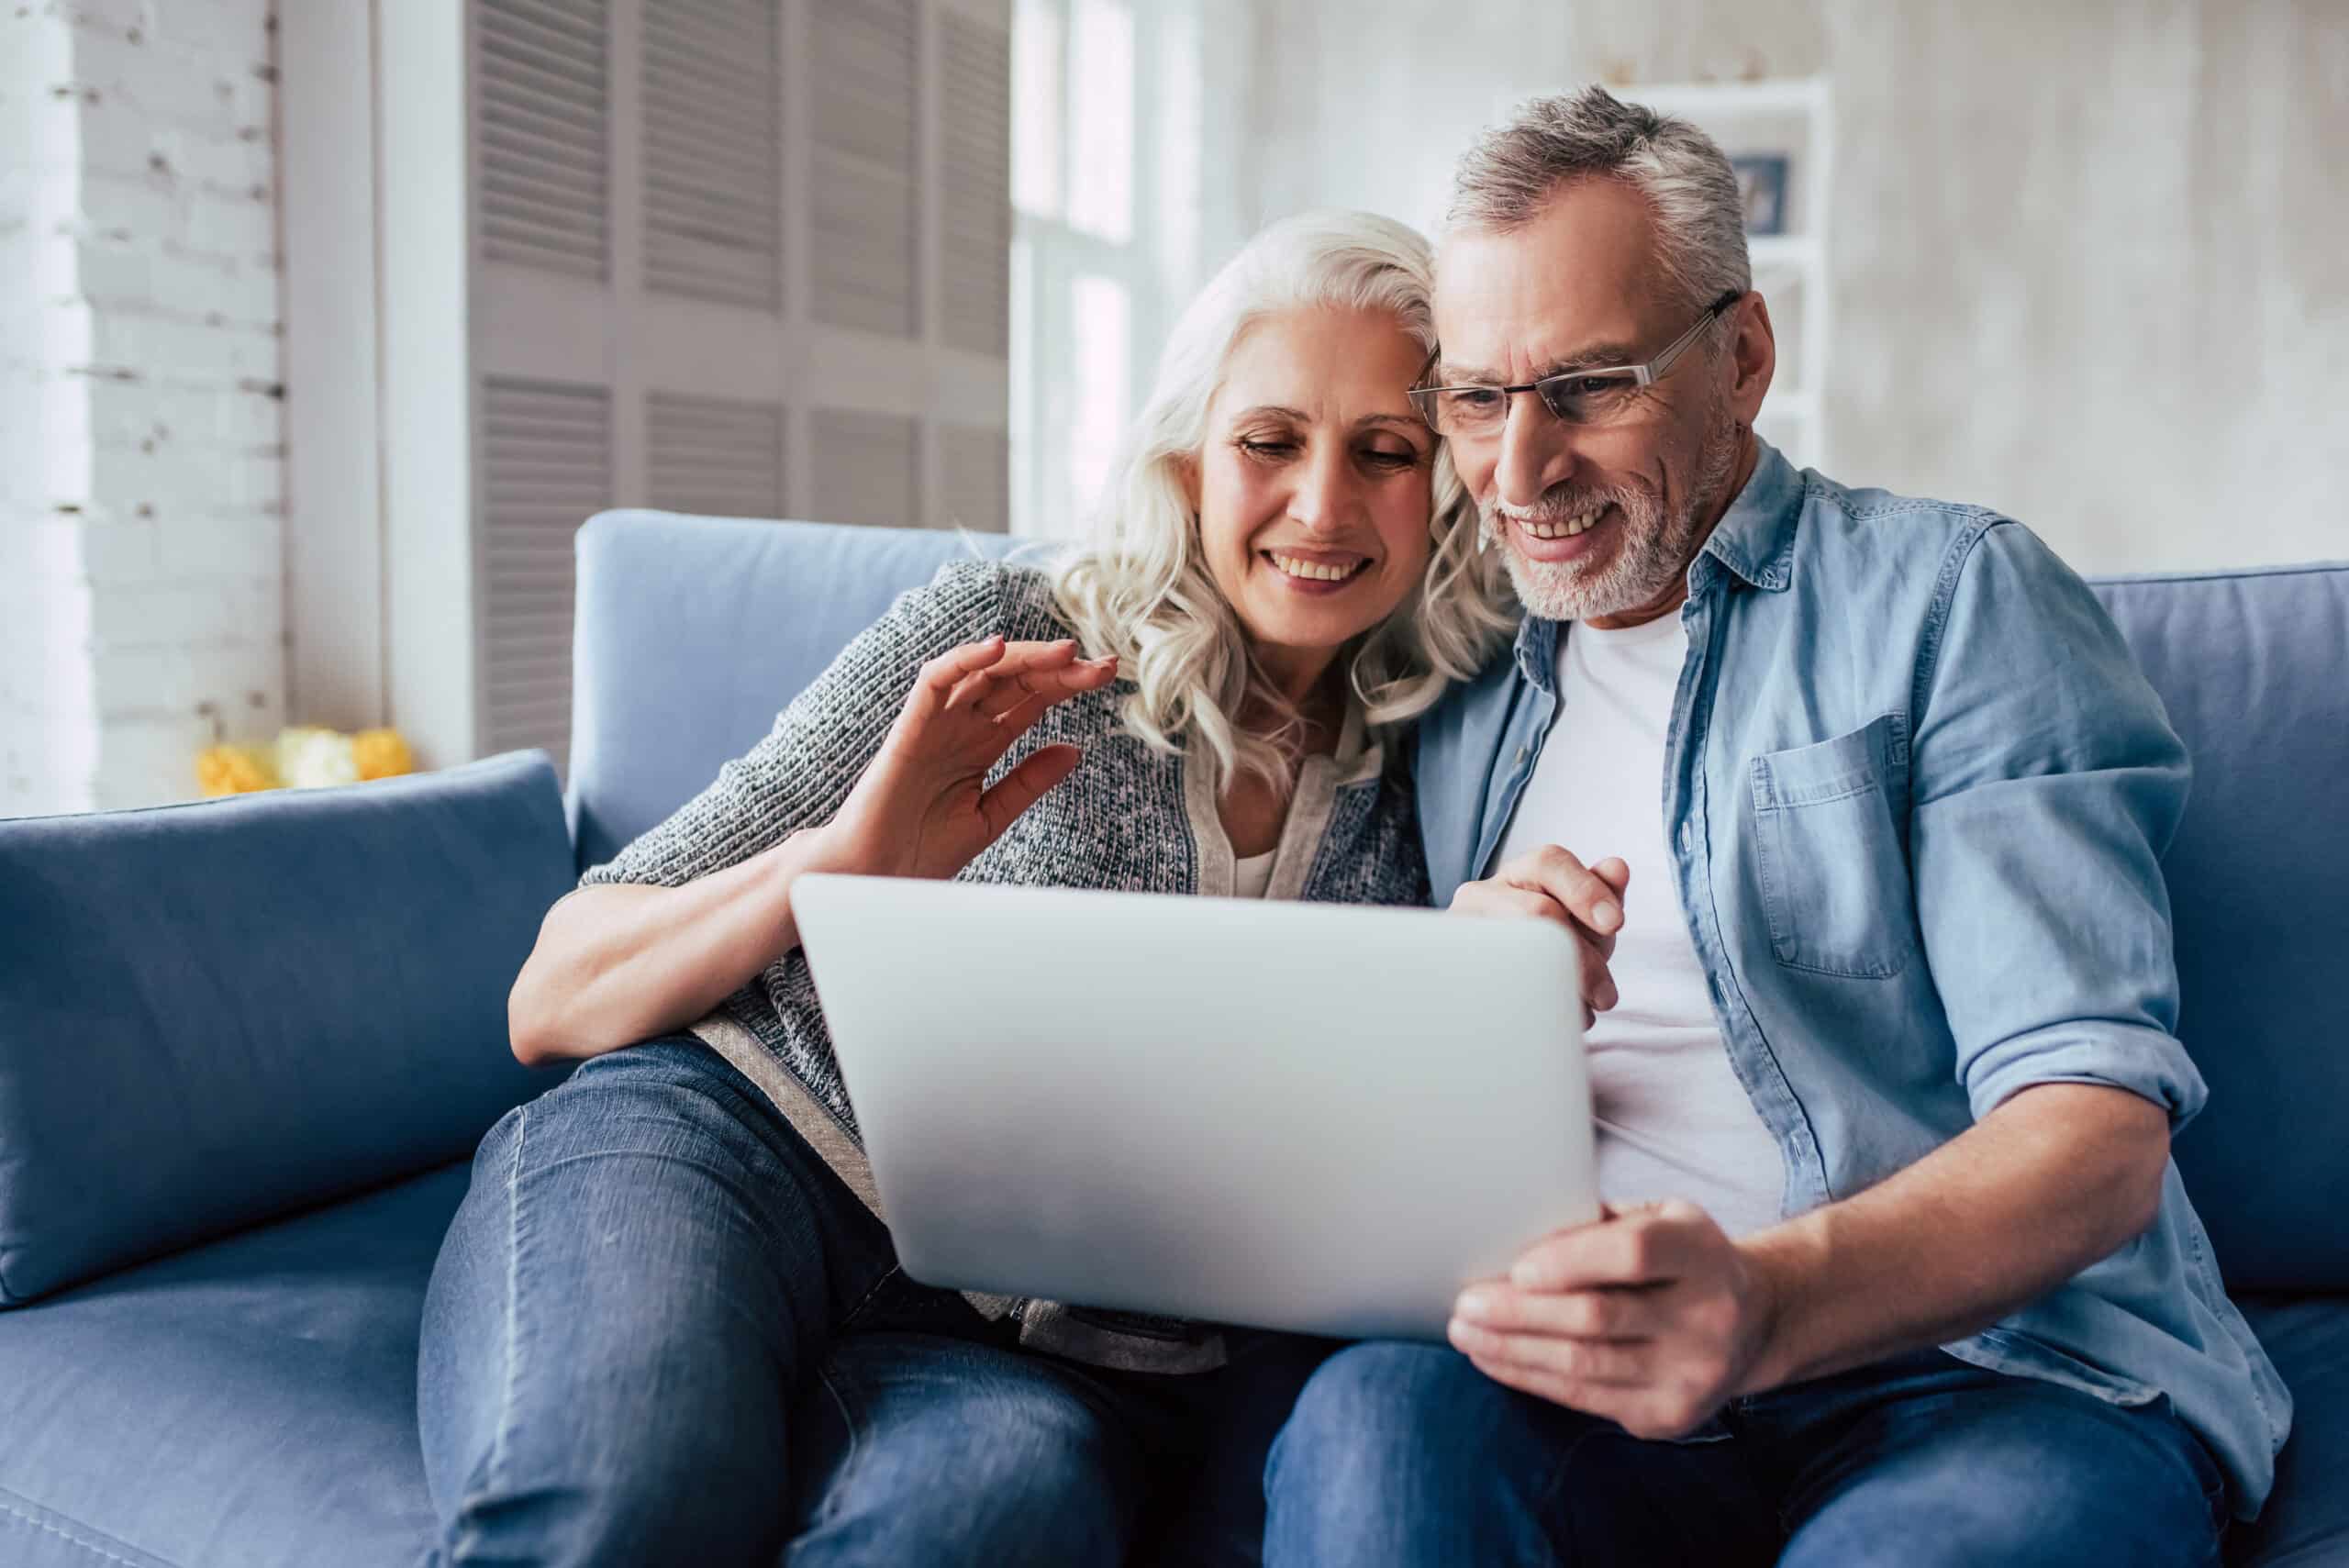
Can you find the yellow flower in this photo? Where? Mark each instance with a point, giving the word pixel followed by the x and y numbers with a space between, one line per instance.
pixel 381 754
pixel 233 770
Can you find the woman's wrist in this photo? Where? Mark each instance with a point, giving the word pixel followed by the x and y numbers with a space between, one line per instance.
pixel 821 849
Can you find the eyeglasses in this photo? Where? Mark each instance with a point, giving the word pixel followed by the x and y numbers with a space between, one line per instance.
pixel 1597 396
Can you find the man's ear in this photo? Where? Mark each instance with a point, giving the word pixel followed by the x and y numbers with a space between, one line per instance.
pixel 1754 357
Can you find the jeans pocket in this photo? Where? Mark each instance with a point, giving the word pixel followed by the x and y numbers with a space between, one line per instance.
pixel 1830 853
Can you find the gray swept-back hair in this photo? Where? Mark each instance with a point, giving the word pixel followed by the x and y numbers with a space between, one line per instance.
pixel 1505 179
pixel 1141 588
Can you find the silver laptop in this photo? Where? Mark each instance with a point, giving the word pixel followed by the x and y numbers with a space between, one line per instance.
pixel 1317 1118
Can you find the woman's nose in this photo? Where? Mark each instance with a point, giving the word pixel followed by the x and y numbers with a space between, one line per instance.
pixel 1326 493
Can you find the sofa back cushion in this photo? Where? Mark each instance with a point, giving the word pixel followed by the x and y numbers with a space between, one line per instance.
pixel 216 1013
pixel 693 633
pixel 2254 667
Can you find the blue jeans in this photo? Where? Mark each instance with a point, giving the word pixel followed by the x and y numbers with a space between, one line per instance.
pixel 1405 1453
pixel 661 1330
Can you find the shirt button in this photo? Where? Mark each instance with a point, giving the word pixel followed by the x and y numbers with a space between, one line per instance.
pixel 1687 840
pixel 1522 753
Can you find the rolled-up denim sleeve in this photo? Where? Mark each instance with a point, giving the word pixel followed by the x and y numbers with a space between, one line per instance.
pixel 2047 783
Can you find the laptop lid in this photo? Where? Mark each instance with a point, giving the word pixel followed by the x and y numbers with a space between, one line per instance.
pixel 1318 1117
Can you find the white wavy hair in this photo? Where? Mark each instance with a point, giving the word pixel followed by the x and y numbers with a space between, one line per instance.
pixel 1141 589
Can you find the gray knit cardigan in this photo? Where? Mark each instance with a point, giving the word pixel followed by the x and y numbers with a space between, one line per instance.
pixel 1130 818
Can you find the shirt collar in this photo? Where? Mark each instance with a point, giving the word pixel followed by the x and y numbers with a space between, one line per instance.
pixel 1754 541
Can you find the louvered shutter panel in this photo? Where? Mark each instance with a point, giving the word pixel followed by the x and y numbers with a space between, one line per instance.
pixel 668 292
pixel 867 208
pixel 974 467
pixel 543 198
pixel 868 468
pixel 974 203
pixel 715 455
pixel 713 152
pixel 546 465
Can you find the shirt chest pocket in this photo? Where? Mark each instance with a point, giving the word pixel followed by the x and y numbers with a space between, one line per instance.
pixel 1830 851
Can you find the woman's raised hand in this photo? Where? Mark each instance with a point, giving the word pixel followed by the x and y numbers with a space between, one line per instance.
pixel 922 808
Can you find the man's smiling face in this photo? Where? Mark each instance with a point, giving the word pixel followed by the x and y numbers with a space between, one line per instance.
pixel 1598 521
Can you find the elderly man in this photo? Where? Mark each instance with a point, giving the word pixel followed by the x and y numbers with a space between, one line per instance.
pixel 1856 803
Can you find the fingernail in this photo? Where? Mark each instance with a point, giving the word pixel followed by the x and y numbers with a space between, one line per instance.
pixel 1526 1277
pixel 1474 1306
pixel 1607 915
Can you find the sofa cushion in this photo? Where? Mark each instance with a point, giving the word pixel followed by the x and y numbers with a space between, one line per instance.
pixel 215 1013
pixel 250 1404
pixel 2254 667
pixel 693 633
pixel 2306 1522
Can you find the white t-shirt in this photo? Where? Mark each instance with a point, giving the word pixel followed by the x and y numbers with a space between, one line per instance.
pixel 1673 1121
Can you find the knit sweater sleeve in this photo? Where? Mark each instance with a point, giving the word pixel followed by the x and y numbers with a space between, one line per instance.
pixel 799 775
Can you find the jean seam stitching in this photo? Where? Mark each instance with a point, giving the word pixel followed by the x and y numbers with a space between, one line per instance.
pixel 864 1301
pixel 37 1523
pixel 835 1492
pixel 500 1446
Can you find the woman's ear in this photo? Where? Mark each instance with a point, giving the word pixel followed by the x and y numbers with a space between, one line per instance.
pixel 1186 474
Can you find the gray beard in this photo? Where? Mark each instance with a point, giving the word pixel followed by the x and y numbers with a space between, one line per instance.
pixel 1656 548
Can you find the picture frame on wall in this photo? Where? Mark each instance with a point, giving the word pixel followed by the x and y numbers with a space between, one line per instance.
pixel 1762 186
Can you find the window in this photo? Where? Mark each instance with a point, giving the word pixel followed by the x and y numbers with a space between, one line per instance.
pixel 1105 234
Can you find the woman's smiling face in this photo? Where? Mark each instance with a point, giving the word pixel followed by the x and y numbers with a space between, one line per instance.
pixel 1314 485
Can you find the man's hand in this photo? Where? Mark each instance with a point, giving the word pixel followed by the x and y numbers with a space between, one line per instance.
pixel 1549 883
pixel 1651 1318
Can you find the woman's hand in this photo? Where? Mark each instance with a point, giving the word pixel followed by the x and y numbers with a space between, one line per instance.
pixel 922 808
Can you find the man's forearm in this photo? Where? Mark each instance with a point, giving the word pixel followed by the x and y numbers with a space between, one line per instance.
pixel 2054 1179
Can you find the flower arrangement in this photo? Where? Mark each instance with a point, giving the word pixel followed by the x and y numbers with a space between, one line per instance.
pixel 303 757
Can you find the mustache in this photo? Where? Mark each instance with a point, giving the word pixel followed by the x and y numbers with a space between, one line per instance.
pixel 1558 504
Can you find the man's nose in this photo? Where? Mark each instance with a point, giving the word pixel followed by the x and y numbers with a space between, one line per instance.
pixel 1537 452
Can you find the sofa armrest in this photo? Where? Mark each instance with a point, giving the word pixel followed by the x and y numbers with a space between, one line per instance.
pixel 215 1013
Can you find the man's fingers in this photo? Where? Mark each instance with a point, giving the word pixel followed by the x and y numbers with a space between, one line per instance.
pixel 1615 872
pixel 1642 1410
pixel 1597 980
pixel 1509 901
pixel 1024 786
pixel 1588 896
pixel 1648 1246
pixel 1637 1313
pixel 1616 1363
pixel 1607 1400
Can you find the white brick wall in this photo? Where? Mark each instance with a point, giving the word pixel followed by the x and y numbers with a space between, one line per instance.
pixel 141 431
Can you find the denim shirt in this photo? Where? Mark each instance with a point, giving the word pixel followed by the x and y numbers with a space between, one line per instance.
pixel 1916 794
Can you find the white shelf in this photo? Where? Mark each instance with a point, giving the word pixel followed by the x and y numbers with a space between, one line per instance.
pixel 1796 117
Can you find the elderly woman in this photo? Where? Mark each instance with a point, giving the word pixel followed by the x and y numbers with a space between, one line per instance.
pixel 667 1324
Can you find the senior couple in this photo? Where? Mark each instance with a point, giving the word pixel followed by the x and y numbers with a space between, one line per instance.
pixel 1458 578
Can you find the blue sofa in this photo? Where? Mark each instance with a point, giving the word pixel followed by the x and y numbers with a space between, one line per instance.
pixel 246 1046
